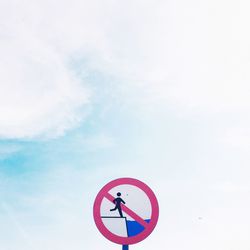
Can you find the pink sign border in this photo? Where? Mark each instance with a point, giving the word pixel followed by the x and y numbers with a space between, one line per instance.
pixel 126 240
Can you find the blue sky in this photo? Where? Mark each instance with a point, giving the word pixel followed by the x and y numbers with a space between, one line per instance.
pixel 91 91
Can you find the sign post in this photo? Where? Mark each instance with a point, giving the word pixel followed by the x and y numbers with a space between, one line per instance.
pixel 126 211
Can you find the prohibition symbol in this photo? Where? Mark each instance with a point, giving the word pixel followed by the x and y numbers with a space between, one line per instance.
pixel 126 211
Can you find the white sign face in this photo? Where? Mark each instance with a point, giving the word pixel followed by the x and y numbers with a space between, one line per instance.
pixel 116 225
pixel 125 225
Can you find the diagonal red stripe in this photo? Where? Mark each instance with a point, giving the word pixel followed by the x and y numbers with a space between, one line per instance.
pixel 129 212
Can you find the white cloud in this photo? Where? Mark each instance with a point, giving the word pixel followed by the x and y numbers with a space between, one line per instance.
pixel 189 55
pixel 229 187
pixel 237 138
pixel 39 95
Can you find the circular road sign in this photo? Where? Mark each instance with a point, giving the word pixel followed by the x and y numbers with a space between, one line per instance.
pixel 126 211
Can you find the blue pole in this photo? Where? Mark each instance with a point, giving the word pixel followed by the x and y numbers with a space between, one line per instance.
pixel 125 247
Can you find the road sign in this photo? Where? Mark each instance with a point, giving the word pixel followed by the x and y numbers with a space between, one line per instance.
pixel 126 211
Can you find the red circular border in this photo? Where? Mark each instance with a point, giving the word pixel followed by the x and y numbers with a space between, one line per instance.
pixel 126 240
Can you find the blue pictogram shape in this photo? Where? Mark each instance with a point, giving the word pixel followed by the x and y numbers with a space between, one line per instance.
pixel 134 228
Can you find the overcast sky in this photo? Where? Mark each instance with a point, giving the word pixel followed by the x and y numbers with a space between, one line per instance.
pixel 95 90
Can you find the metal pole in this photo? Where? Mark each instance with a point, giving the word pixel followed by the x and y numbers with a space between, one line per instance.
pixel 125 247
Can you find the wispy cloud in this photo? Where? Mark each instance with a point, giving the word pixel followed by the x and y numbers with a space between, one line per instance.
pixel 39 93
pixel 11 217
pixel 184 55
pixel 237 138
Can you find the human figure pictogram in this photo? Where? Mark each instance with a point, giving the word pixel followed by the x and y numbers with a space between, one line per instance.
pixel 117 201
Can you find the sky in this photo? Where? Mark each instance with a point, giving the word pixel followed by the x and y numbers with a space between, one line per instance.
pixel 91 91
